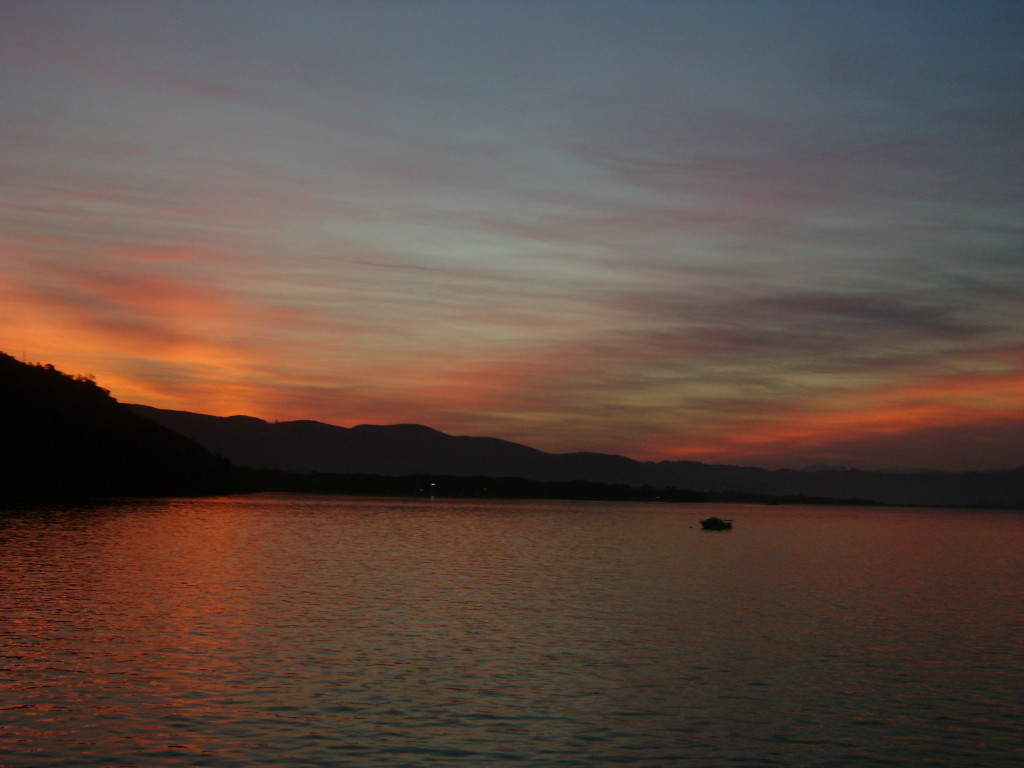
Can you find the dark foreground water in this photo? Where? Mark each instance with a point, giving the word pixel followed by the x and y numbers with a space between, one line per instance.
pixel 306 631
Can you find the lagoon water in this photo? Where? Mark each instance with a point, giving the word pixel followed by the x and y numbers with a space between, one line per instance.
pixel 276 630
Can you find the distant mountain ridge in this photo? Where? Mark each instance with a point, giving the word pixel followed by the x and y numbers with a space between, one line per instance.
pixel 412 449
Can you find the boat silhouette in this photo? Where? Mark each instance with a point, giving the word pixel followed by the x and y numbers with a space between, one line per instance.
pixel 716 524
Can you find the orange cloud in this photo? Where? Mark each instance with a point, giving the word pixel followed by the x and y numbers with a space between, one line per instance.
pixel 149 330
pixel 883 418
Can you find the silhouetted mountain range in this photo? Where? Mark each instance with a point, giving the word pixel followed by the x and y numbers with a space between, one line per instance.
pixel 64 436
pixel 410 449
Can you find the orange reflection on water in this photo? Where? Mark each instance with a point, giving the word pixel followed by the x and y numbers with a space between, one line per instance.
pixel 277 630
pixel 141 619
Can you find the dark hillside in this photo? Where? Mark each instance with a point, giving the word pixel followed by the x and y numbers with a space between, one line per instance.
pixel 63 436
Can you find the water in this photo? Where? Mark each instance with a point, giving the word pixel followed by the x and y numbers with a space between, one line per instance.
pixel 305 631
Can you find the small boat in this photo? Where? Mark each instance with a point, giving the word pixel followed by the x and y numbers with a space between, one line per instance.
pixel 716 524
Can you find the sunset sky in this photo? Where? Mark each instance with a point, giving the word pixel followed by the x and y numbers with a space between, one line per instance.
pixel 767 233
